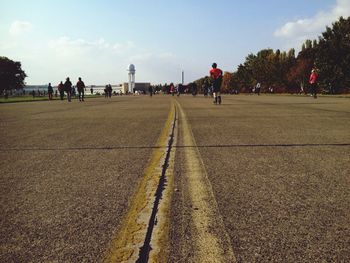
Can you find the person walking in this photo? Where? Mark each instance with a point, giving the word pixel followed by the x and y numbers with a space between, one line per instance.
pixel 60 88
pixel 68 89
pixel 50 91
pixel 80 86
pixel 109 90
pixel 205 87
pixel 258 88
pixel 172 89
pixel 74 92
pixel 150 90
pixel 106 91
pixel 216 76
pixel 313 83
pixel 194 88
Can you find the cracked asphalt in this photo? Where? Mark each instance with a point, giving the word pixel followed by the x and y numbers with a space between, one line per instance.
pixel 279 167
pixel 63 191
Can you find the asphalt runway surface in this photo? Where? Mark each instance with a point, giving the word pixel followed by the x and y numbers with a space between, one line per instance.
pixel 277 170
pixel 279 167
pixel 68 172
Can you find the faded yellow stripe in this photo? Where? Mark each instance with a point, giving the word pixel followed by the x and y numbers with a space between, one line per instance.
pixel 131 234
pixel 212 243
pixel 160 236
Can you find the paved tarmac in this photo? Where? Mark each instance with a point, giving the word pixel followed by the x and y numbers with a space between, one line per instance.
pixel 68 172
pixel 279 167
pixel 276 168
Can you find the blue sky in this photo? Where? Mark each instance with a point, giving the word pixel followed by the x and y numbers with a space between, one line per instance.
pixel 96 40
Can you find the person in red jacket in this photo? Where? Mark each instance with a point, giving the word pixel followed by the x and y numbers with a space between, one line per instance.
pixel 80 87
pixel 172 89
pixel 216 76
pixel 313 83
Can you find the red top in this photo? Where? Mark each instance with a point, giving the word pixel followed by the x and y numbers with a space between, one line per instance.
pixel 60 87
pixel 80 85
pixel 313 78
pixel 215 73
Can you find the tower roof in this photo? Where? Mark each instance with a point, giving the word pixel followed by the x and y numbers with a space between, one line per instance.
pixel 131 68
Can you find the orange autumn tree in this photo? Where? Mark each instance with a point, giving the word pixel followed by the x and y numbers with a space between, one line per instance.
pixel 227 82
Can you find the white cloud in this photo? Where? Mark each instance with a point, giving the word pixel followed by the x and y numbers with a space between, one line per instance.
pixel 66 46
pixel 20 27
pixel 97 60
pixel 311 27
pixel 120 48
pixel 166 55
pixel 147 56
pixel 140 57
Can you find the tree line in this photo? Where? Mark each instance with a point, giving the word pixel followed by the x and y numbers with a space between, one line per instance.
pixel 284 71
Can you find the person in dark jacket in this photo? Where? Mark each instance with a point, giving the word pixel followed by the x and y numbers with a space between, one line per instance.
pixel 60 88
pixel 109 90
pixel 80 87
pixel 50 91
pixel 68 89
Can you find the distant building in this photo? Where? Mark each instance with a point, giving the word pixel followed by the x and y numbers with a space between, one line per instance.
pixel 139 86
pixel 35 87
pixel 99 89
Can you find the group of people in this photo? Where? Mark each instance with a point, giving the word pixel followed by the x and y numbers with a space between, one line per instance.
pixel 39 93
pixel 215 74
pixel 216 77
pixel 108 91
pixel 175 89
pixel 67 88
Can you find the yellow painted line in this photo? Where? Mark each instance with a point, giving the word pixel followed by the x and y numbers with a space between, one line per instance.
pixel 160 237
pixel 211 241
pixel 131 234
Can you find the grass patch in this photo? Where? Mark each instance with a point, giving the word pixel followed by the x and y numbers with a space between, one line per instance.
pixel 31 99
pixel 23 99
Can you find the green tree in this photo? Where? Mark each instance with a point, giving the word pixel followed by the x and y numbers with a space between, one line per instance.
pixel 11 74
pixel 308 44
pixel 244 75
pixel 333 56
pixel 202 82
pixel 263 67
pixel 330 54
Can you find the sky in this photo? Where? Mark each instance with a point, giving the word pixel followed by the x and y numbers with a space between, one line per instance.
pixel 98 39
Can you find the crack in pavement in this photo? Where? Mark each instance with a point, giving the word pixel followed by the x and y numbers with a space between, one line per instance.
pixel 179 146
pixel 143 232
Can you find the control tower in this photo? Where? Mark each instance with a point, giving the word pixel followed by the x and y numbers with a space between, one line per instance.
pixel 131 70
